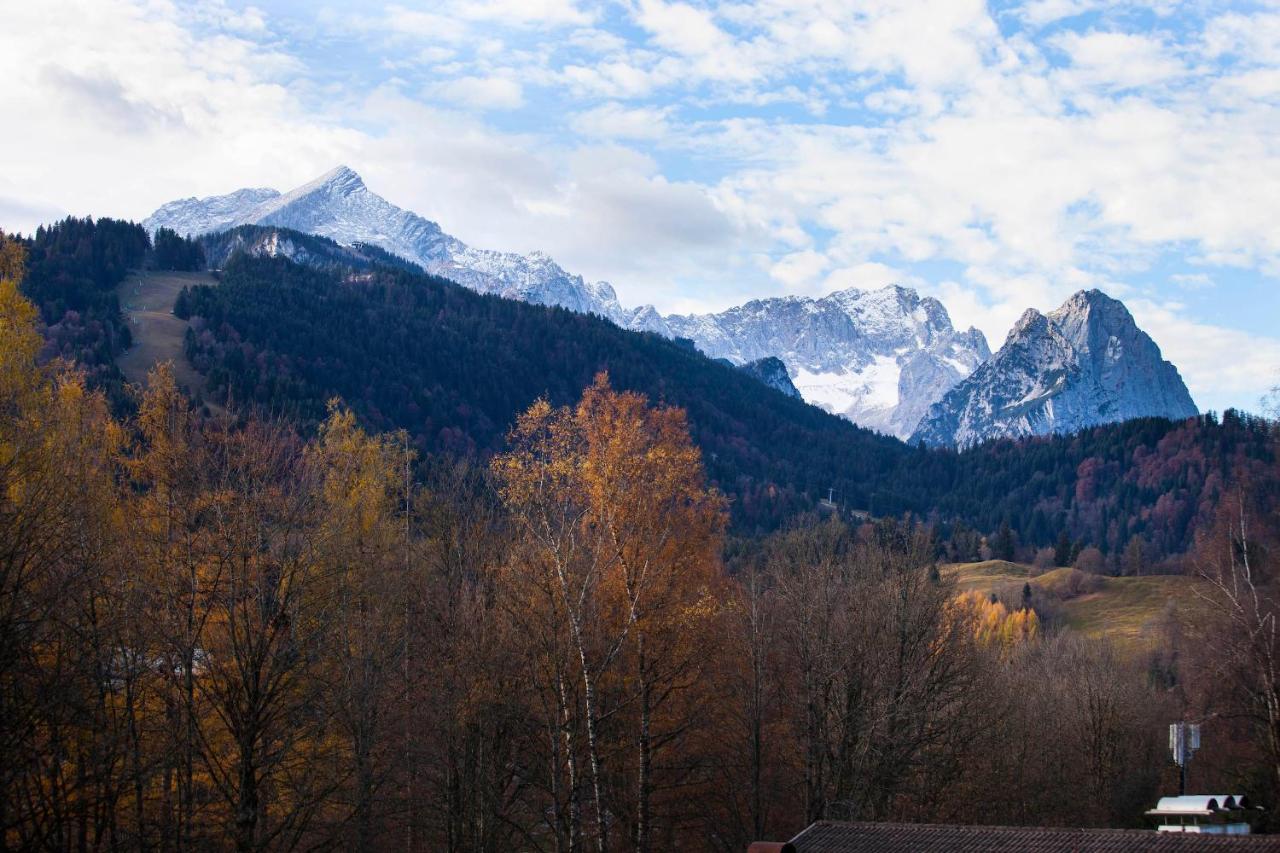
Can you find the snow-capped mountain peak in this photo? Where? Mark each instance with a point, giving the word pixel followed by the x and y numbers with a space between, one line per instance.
pixel 339 205
pixel 878 357
pixel 1085 363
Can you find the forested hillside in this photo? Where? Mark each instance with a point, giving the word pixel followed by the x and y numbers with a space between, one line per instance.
pixel 73 268
pixel 453 368
pixel 285 630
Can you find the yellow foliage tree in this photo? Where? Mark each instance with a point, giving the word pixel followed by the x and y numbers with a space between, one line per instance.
pixel 623 566
pixel 994 624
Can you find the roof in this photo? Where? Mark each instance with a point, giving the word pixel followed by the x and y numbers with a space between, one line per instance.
pixel 1199 804
pixel 836 837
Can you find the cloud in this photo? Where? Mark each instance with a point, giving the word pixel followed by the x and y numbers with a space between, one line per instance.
pixel 19 216
pixel 541 13
pixel 699 154
pixel 799 271
pixel 615 121
pixel 1222 367
pixel 1117 60
pixel 484 93
pixel 122 105
pixel 103 96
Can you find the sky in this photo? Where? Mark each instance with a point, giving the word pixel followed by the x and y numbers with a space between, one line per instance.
pixel 998 156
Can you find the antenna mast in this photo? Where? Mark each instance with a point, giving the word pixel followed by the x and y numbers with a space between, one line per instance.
pixel 1184 740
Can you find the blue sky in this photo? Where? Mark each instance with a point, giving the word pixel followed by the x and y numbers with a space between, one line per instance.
pixel 997 155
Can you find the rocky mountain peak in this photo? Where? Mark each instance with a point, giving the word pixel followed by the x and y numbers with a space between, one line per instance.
pixel 1030 321
pixel 1084 363
pixel 772 372
pixel 879 357
pixel 340 181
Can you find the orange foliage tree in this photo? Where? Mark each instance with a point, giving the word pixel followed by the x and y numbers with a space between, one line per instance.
pixel 623 568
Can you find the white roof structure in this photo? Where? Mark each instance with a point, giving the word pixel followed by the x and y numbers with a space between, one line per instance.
pixel 1199 805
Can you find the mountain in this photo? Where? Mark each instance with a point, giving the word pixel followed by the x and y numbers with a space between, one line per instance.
pixel 772 372
pixel 883 359
pixel 1084 364
pixel 879 357
pixel 290 325
pixel 339 206
pixel 453 368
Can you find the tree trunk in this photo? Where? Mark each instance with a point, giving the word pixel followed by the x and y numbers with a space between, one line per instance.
pixel 246 823
pixel 643 783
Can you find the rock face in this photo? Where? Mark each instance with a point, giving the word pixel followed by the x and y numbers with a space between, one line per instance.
pixel 879 358
pixel 339 206
pixel 884 359
pixel 1084 364
pixel 772 372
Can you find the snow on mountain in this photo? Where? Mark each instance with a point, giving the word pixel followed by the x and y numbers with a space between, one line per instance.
pixel 772 372
pixel 339 206
pixel 1084 364
pixel 884 359
pixel 879 358
pixel 205 215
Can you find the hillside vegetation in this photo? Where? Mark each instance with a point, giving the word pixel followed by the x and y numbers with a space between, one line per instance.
pixel 1124 609
pixel 276 627
pixel 453 368
pixel 147 300
pixel 409 351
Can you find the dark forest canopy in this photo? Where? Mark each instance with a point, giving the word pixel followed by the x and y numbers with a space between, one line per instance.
pixel 412 351
pixel 175 252
pixel 73 269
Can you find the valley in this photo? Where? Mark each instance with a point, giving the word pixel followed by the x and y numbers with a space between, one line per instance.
pixel 571 426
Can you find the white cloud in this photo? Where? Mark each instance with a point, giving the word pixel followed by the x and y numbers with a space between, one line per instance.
pixel 1119 60
pixel 868 276
pixel 1252 38
pixel 123 104
pixel 485 93
pixel 542 13
pixel 799 271
pixel 615 121
pixel 699 154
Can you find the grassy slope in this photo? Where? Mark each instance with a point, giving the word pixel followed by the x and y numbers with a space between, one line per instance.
pixel 147 298
pixel 1123 609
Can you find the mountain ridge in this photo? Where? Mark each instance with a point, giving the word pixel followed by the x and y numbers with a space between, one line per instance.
pixel 884 359
pixel 1085 363
pixel 878 358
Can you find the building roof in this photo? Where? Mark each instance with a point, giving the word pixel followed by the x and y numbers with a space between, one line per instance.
pixel 837 837
pixel 1199 804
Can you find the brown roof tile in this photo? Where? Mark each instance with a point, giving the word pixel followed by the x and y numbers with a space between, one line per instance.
pixel 835 837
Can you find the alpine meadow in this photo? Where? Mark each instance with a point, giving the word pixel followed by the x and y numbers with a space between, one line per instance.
pixel 756 427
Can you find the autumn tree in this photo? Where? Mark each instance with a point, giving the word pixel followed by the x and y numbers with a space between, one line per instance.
pixel 623 557
pixel 884 680
pixel 262 720
pixel 361 560
pixel 1240 643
